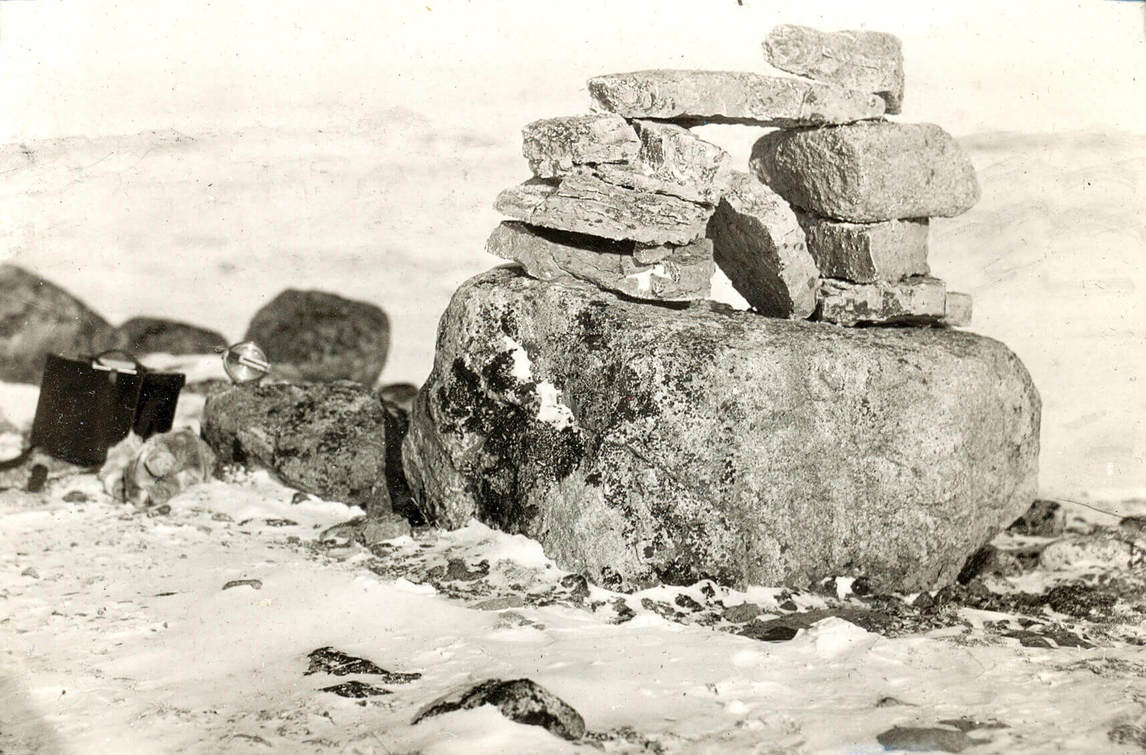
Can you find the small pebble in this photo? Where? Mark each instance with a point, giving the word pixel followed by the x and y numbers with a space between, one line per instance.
pixel 255 583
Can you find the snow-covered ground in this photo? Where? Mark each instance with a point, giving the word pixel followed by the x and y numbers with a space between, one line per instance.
pixel 119 636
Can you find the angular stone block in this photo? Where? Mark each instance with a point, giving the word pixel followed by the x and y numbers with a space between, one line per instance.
pixel 646 443
pixel 585 204
pixel 758 243
pixel 680 273
pixel 869 172
pixel 867 252
pixel 866 61
pixel 957 310
pixel 912 301
pixel 692 97
pixel 553 146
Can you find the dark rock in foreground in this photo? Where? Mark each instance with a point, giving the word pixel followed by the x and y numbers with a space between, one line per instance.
pixel 329 660
pixel 521 700
pixel 145 335
pixel 641 443
pixel 923 739
pixel 323 336
pixel 327 439
pixel 37 318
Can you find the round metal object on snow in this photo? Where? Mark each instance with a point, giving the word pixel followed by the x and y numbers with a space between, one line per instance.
pixel 245 362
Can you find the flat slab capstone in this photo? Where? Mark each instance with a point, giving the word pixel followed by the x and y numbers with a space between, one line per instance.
pixel 869 172
pixel 692 97
pixel 641 443
pixel 867 61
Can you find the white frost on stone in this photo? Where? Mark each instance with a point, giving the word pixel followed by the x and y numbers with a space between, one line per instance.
pixel 552 411
pixel 522 366
pixel 644 278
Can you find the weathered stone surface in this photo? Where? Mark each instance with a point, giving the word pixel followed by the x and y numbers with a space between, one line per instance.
pixel 322 336
pixel 678 273
pixel 553 146
pixel 640 443
pixel 327 439
pixel 869 172
pixel 692 97
pixel 918 300
pixel 957 310
pixel 759 245
pixel 867 252
pixel 38 318
pixel 866 61
pixel 521 700
pixel 673 160
pixel 586 204
pixel 144 335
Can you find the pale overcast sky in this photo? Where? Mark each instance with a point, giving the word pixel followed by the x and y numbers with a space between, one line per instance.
pixel 120 67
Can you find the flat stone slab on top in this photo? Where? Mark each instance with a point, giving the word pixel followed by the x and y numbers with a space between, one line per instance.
pixel 866 61
pixel 644 443
pixel 693 97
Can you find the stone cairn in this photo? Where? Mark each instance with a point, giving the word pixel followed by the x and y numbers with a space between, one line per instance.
pixel 600 404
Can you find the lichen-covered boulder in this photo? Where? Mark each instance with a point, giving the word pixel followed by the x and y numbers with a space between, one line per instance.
pixel 144 335
pixel 321 336
pixel 327 439
pixel 641 443
pixel 37 318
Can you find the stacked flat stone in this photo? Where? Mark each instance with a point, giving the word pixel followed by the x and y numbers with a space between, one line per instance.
pixel 621 204
pixel 864 192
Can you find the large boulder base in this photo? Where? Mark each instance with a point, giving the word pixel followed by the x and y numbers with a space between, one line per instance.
pixel 641 443
pixel 689 98
pixel 320 336
pixel 869 172
pixel 867 61
pixel 37 318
